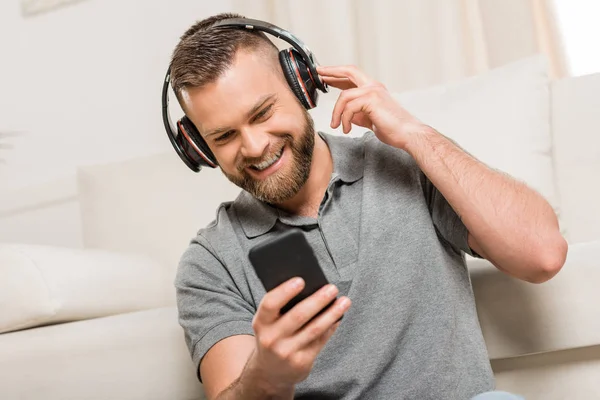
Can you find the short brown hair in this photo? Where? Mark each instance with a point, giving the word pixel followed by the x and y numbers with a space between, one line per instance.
pixel 204 53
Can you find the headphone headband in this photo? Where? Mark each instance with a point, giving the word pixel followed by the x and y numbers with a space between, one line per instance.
pixel 305 52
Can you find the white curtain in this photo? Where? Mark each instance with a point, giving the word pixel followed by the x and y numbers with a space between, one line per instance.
pixel 409 44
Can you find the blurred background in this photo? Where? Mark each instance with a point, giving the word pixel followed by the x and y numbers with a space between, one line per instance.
pixel 82 79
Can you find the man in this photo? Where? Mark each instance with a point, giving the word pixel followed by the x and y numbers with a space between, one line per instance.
pixel 389 216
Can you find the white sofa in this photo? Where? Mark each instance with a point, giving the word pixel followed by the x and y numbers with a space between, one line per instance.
pixel 99 322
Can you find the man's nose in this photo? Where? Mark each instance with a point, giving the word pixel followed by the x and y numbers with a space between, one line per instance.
pixel 254 143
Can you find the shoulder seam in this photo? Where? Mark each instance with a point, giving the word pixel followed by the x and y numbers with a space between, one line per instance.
pixel 210 248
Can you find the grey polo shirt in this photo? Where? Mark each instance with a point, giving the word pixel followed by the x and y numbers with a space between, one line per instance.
pixel 389 240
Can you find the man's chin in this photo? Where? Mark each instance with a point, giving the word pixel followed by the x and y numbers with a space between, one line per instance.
pixel 271 199
pixel 272 190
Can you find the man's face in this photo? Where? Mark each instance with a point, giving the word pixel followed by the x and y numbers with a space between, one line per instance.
pixel 262 138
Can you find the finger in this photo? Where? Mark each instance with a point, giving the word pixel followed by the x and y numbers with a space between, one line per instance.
pixel 351 72
pixel 340 83
pixel 304 311
pixel 272 303
pixel 307 354
pixel 313 349
pixel 357 112
pixel 345 97
pixel 318 331
pixel 352 107
pixel 322 341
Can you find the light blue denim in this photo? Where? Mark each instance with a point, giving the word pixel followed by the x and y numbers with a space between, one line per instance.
pixel 497 395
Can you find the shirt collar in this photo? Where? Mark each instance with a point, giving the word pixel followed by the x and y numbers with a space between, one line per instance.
pixel 257 217
pixel 348 156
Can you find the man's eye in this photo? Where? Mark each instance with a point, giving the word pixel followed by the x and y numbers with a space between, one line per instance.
pixel 224 136
pixel 262 114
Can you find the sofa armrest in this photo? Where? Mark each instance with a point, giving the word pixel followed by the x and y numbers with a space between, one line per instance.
pixel 138 355
pixel 519 318
pixel 43 285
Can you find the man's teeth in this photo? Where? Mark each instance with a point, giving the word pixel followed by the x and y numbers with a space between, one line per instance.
pixel 267 163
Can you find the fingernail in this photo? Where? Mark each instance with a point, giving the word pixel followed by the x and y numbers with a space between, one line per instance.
pixel 344 303
pixel 297 282
pixel 331 290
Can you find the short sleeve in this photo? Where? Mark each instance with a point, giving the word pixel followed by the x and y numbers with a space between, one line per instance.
pixel 445 219
pixel 209 305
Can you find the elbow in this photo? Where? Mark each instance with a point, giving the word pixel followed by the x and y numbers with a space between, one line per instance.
pixel 550 259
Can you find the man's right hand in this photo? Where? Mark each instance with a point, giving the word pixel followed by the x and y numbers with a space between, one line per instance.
pixel 287 345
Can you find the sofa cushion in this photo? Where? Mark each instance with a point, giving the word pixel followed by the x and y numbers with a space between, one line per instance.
pixel 502 117
pixel 43 285
pixel 519 318
pixel 138 355
pixel 149 205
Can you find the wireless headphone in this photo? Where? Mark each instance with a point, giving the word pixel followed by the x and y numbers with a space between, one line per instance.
pixel 299 67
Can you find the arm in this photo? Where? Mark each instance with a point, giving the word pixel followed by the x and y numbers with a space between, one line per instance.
pixel 283 351
pixel 227 372
pixel 508 223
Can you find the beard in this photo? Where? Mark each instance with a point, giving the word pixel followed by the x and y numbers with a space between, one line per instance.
pixel 281 185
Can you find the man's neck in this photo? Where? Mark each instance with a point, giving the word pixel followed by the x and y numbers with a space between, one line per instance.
pixel 308 200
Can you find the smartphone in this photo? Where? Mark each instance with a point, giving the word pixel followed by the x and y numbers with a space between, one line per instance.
pixel 286 256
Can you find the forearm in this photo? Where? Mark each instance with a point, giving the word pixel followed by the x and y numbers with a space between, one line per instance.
pixel 251 385
pixel 247 390
pixel 510 224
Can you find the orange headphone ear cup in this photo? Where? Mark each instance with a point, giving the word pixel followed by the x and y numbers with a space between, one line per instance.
pixel 298 77
pixel 202 153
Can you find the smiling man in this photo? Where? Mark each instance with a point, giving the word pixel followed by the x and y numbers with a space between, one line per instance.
pixel 389 216
pixel 271 170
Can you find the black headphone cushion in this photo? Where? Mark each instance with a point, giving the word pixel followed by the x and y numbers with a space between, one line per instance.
pixel 298 77
pixel 190 128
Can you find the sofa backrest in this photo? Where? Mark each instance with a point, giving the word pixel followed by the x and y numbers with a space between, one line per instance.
pixel 31 215
pixel 151 205
pixel 575 115
pixel 155 205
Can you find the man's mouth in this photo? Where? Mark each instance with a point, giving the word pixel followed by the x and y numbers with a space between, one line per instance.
pixel 268 162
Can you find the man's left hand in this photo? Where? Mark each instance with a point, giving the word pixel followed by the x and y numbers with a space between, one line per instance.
pixel 367 103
